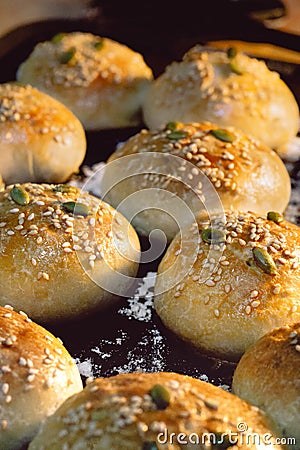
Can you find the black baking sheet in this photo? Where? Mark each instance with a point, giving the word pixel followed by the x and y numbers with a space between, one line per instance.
pixel 117 339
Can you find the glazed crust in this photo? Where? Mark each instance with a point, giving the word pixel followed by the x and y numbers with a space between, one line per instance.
pixel 217 296
pixel 246 174
pixel 40 139
pixel 104 82
pixel 36 375
pixel 118 413
pixel 204 87
pixel 268 376
pixel 56 264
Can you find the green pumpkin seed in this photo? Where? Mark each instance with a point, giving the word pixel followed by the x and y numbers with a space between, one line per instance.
pixel 64 188
pixel 223 135
pixel 213 236
pixel 177 135
pixel 99 44
pixel 76 208
pixel 19 195
pixel 99 415
pixel 231 52
pixel 58 37
pixel 172 126
pixel 235 67
pixel 150 445
pixel 275 216
pixel 161 396
pixel 67 56
pixel 264 261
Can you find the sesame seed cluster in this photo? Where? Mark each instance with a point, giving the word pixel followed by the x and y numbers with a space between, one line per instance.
pixel 30 358
pixel 124 414
pixel 220 161
pixel 46 214
pixel 210 74
pixel 243 232
pixel 78 59
pixel 19 103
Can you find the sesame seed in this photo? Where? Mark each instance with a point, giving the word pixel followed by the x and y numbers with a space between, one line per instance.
pixel 248 309
pixel 227 288
pixel 255 304
pixel 22 361
pixel 33 261
pixel 254 294
pixel 297 348
pixel 8 399
pixel 217 313
pixel 14 210
pixel 5 388
pixel 30 217
pixel 276 289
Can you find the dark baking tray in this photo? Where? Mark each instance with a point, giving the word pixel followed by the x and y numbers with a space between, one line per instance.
pixel 110 342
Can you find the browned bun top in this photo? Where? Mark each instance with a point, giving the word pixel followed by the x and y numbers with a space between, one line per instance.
pixel 226 281
pixel 135 411
pixel 40 139
pixel 36 375
pixel 84 70
pixel 246 174
pixel 268 376
pixel 230 90
pixel 55 241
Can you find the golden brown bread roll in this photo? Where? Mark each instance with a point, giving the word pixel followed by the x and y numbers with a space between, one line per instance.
pixel 36 375
pixel 102 81
pixel 268 376
pixel 229 90
pixel 63 254
pixel 153 411
pixel 226 281
pixel 246 174
pixel 40 139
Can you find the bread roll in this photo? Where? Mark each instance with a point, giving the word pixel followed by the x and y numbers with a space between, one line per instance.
pixel 228 90
pixel 235 278
pixel 149 411
pixel 63 255
pixel 102 81
pixel 246 174
pixel 40 139
pixel 36 375
pixel 268 376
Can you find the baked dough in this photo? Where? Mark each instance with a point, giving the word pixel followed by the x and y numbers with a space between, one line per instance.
pixel 142 410
pixel 245 174
pixel 235 278
pixel 36 375
pixel 102 81
pixel 63 253
pixel 268 376
pixel 40 139
pixel 235 91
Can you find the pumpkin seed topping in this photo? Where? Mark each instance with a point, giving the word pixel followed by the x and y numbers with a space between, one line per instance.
pixel 19 195
pixel 77 208
pixel 222 135
pixel 67 56
pixel 264 261
pixel 275 216
pixel 161 396
pixel 213 236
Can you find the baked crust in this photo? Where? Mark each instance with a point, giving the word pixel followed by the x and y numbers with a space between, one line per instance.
pixel 36 375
